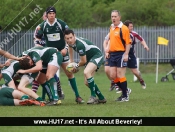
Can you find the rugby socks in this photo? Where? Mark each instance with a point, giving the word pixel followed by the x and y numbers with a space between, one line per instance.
pixel 98 93
pixel 35 86
pixel 123 86
pixel 117 81
pixel 46 89
pixel 74 86
pixel 58 83
pixel 24 97
pixel 53 86
pixel 91 86
pixel 39 99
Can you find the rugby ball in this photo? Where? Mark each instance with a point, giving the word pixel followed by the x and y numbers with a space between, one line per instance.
pixel 70 66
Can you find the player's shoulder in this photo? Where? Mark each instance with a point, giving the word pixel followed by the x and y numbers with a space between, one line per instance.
pixel 124 28
pixel 60 21
pixel 42 23
pixel 134 32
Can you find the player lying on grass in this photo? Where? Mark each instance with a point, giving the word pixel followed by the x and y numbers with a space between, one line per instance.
pixel 13 97
pixel 47 60
pixel 91 57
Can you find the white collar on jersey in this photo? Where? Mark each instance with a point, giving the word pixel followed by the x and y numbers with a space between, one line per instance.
pixel 52 23
pixel 120 25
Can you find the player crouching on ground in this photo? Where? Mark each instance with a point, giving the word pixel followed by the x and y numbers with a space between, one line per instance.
pixel 91 57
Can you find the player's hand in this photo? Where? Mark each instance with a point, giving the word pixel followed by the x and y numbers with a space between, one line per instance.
pixel 125 57
pixel 75 69
pixel 64 52
pixel 146 47
pixel 38 27
pixel 21 58
pixel 7 63
pixel 2 65
pixel 21 71
pixel 107 55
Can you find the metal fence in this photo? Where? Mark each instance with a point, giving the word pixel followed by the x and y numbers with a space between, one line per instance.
pixel 16 43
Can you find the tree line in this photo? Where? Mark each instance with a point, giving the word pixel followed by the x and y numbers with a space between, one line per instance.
pixel 27 14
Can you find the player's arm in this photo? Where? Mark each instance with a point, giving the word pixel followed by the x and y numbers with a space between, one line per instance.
pixel 65 50
pixel 106 43
pixel 142 41
pixel 82 61
pixel 38 32
pixel 82 53
pixel 8 55
pixel 36 68
pixel 144 45
pixel 71 53
pixel 127 44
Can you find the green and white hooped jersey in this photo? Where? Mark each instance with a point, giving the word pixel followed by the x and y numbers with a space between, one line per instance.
pixel 85 47
pixel 12 69
pixel 41 53
pixel 54 34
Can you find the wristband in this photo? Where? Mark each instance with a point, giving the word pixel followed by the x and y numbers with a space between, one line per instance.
pixel 77 65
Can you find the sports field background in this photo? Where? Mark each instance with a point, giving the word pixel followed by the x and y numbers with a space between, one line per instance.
pixel 157 100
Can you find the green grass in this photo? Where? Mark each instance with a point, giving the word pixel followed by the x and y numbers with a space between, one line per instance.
pixel 157 100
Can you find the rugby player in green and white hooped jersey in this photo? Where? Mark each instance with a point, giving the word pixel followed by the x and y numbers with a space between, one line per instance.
pixel 91 57
pixel 47 57
pixel 53 30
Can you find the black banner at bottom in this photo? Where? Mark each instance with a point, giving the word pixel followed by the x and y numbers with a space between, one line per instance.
pixel 87 121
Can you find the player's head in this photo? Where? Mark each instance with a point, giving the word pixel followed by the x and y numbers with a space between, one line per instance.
pixel 51 13
pixel 115 17
pixel 129 24
pixel 69 37
pixel 26 63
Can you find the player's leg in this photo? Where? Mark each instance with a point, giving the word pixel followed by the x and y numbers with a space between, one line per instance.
pixel 6 97
pixel 60 91
pixel 132 64
pixel 35 86
pixel 121 71
pixel 92 66
pixel 118 70
pixel 45 85
pixel 25 80
pixel 51 70
pixel 7 76
pixel 72 82
pixel 59 61
pixel 113 85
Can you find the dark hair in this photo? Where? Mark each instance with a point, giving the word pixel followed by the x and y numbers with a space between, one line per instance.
pixel 127 22
pixel 68 31
pixel 0 28
pixel 24 63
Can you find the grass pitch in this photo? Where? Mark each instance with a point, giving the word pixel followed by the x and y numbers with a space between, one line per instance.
pixel 157 100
